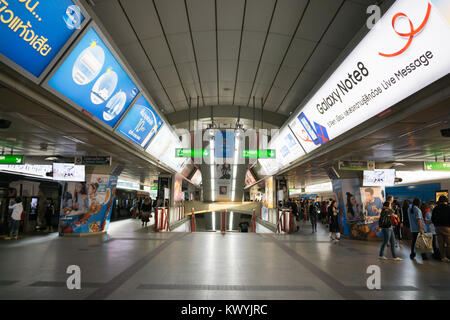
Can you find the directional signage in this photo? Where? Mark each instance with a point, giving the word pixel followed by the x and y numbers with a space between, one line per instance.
pixel 191 153
pixel 357 165
pixel 261 154
pixel 93 160
pixel 10 159
pixel 437 166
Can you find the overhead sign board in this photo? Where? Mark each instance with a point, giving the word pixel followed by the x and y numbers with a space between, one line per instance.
pixel 68 172
pixel 357 165
pixel 191 153
pixel 397 58
pixel 141 123
pixel 33 33
pixel 33 170
pixel 11 159
pixel 91 78
pixel 93 160
pixel 259 153
pixel 379 177
pixel 437 166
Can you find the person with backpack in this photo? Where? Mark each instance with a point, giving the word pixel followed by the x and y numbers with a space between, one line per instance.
pixel 313 215
pixel 16 216
pixel 385 224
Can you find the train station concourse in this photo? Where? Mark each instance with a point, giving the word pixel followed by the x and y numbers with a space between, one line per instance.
pixel 226 150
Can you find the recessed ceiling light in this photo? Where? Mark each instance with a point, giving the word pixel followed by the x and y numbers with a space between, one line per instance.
pixel 51 159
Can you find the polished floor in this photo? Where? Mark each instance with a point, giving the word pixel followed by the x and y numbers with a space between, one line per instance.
pixel 134 263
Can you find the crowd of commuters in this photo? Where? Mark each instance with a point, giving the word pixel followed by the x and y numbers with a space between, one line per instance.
pixel 397 223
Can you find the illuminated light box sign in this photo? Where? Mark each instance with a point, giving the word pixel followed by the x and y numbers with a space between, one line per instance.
pixel 191 153
pixel 163 147
pixel 287 147
pixel 33 32
pixel 141 123
pixel 379 178
pixel 261 154
pixel 381 71
pixel 68 172
pixel 437 166
pixel 93 79
pixel 33 170
pixel 11 159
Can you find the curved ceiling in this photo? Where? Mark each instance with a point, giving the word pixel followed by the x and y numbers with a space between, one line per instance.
pixel 225 52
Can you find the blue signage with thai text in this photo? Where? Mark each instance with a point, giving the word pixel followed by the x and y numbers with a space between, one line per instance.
pixel 33 32
pixel 141 123
pixel 93 79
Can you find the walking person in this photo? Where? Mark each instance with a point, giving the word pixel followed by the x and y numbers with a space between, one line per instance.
pixel 416 224
pixel 385 224
pixel 334 222
pixel 16 216
pixel 441 220
pixel 49 212
pixel 146 211
pixel 313 215
pixel 430 228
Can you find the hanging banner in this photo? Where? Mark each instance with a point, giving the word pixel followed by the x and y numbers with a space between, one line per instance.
pixel 86 206
pixel 33 32
pixel 407 50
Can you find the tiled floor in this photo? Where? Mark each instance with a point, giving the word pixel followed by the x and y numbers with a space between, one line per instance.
pixel 135 263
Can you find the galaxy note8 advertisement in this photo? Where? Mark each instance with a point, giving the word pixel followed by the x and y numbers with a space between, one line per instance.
pixel 92 78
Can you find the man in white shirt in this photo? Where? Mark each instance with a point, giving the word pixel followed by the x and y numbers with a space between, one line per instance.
pixel 16 217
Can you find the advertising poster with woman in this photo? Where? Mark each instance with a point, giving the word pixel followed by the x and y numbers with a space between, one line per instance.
pixel 355 225
pixel 86 206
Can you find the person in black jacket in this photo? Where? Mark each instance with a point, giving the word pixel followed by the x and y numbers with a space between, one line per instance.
pixel 146 211
pixel 441 220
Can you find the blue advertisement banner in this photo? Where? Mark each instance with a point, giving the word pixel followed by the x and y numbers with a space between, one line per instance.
pixel 33 32
pixel 86 207
pixel 141 123
pixel 224 144
pixel 93 78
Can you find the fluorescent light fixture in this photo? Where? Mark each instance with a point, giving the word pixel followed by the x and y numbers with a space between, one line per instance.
pixel 409 177
pixel 211 147
pixel 231 221
pixel 322 187
pixel 213 221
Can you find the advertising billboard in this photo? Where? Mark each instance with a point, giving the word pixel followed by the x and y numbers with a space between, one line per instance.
pixel 87 206
pixel 395 60
pixel 163 146
pixel 379 178
pixel 141 123
pixel 68 172
pixel 33 33
pixel 92 79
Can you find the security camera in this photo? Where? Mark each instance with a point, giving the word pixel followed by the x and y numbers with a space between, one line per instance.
pixel 4 124
pixel 445 133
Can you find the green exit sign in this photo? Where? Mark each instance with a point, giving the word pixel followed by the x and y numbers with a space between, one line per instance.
pixel 10 159
pixel 260 154
pixel 191 153
pixel 437 166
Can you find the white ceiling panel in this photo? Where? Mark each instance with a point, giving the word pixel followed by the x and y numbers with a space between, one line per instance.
pixel 323 57
pixel 158 52
pixel 143 17
pixel 181 47
pixel 252 44
pixel 229 42
pixel 351 17
pixel 202 15
pixel 258 15
pixel 287 16
pixel 231 14
pixel 136 56
pixel 168 76
pixel 276 47
pixel 205 45
pixel 317 18
pixel 227 71
pixel 173 16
